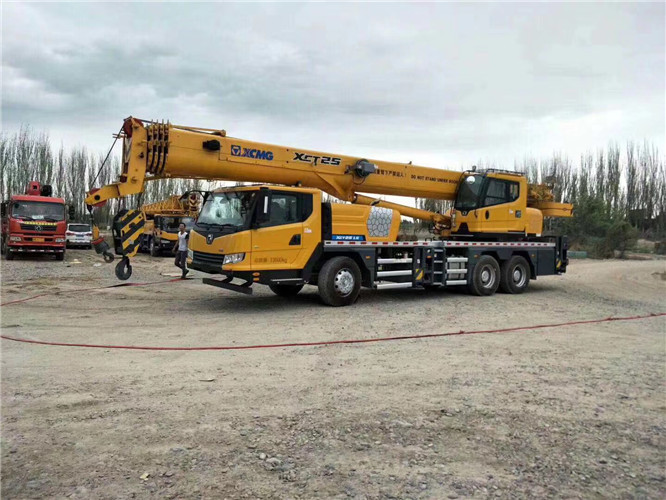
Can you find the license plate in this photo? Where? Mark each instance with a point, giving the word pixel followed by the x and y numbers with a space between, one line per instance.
pixel 38 240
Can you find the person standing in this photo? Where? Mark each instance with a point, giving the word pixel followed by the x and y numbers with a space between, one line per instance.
pixel 181 250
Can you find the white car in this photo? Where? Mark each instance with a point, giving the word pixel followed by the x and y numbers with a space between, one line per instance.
pixel 79 235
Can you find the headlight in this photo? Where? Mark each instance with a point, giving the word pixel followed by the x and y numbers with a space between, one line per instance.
pixel 190 254
pixel 14 238
pixel 233 258
pixel 60 240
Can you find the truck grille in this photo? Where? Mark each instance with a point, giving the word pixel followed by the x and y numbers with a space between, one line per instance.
pixel 208 258
pixel 38 228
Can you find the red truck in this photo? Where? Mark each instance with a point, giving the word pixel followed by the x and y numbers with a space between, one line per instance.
pixel 34 222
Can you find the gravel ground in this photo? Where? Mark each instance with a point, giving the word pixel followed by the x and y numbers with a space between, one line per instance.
pixel 568 412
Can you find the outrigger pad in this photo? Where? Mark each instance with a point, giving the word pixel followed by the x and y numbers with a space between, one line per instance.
pixel 128 231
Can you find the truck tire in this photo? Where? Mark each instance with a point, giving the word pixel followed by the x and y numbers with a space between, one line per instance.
pixel 339 282
pixel 485 277
pixel 60 256
pixel 285 290
pixel 515 275
pixel 154 249
pixel 9 255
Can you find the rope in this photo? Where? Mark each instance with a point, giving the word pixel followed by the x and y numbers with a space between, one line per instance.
pixel 107 156
pixel 330 342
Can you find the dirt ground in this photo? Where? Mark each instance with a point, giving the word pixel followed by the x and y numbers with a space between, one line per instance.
pixel 569 412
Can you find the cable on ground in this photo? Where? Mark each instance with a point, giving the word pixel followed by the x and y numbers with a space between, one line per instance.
pixel 330 342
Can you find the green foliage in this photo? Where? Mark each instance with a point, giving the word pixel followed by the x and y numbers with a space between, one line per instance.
pixel 591 220
pixel 599 248
pixel 621 236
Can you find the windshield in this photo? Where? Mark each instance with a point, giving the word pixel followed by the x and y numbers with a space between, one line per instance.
pixel 38 210
pixel 79 228
pixel 468 193
pixel 230 208
pixel 173 223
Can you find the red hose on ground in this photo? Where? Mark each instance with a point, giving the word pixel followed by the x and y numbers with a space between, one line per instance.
pixel 329 342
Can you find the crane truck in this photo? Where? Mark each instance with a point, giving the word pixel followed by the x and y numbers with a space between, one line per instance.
pixel 280 233
pixel 162 220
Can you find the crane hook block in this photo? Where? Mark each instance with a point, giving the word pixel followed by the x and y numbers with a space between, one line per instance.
pixel 123 269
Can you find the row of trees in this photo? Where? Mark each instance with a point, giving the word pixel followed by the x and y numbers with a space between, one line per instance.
pixel 613 185
pixel 618 184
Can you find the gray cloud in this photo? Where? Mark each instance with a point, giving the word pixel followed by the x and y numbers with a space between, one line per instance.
pixel 440 82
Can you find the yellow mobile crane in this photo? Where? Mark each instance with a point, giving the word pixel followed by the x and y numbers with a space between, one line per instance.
pixel 284 236
pixel 162 219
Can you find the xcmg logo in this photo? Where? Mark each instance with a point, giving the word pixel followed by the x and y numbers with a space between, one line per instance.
pixel 257 154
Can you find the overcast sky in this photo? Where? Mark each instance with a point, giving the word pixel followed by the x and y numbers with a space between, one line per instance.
pixel 444 85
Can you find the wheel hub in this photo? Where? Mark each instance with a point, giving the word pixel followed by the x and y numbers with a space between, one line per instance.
pixel 518 276
pixel 344 282
pixel 487 277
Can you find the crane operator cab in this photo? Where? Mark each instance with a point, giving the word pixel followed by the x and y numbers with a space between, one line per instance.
pixel 494 202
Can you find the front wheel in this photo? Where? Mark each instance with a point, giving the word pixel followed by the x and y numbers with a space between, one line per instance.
pixel 485 276
pixel 339 282
pixel 9 255
pixel 60 256
pixel 515 275
pixel 285 290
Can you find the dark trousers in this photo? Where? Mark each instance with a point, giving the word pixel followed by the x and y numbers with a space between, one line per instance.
pixel 181 260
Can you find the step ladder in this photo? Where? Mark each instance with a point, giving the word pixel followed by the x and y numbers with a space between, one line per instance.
pixel 456 271
pixel 400 267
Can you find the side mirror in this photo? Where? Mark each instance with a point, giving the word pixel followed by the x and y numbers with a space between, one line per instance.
pixel 263 207
pixel 72 212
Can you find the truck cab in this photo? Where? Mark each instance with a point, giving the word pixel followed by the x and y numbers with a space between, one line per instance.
pixel 494 203
pixel 33 224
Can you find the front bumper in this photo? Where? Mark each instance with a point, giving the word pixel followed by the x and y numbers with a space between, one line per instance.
pixel 79 241
pixel 35 249
pixel 205 268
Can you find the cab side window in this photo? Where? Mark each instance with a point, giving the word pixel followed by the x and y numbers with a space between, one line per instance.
pixel 289 208
pixel 501 191
pixel 284 209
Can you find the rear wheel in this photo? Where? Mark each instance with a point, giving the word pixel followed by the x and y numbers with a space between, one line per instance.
pixel 485 276
pixel 339 282
pixel 285 290
pixel 515 275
